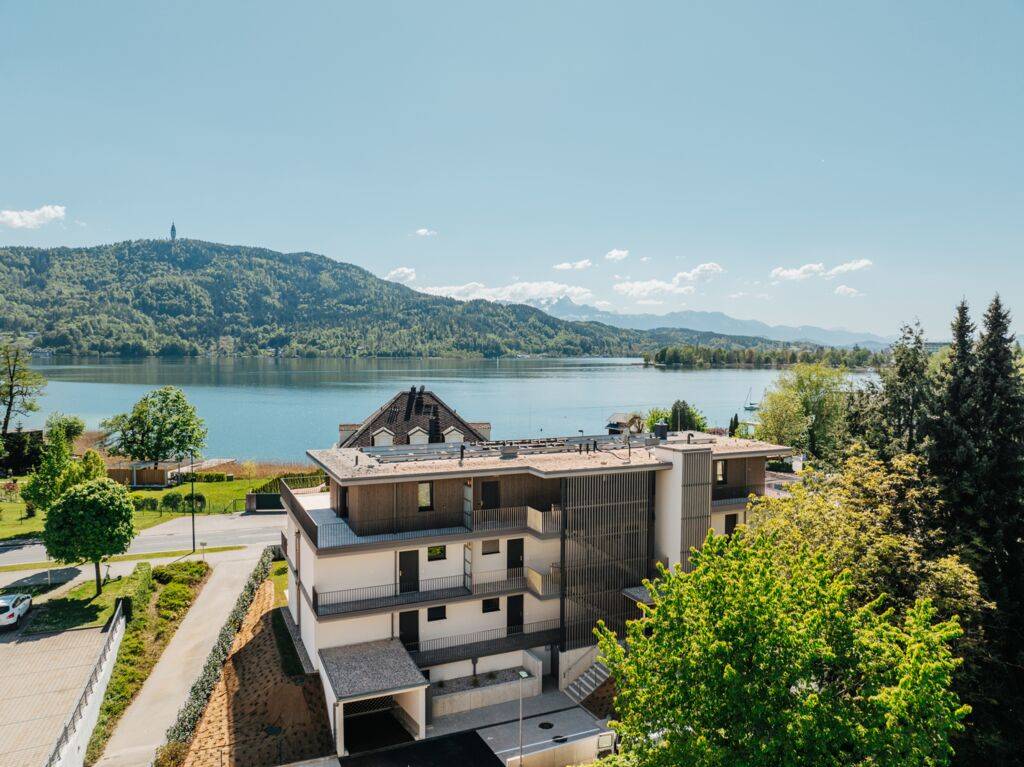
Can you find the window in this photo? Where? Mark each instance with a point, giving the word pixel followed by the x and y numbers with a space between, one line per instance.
pixel 435 553
pixel 383 438
pixel 721 477
pixel 418 437
pixel 492 605
pixel 492 546
pixel 730 523
pixel 438 613
pixel 425 495
pixel 453 435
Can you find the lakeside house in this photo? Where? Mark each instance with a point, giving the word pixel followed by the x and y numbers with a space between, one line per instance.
pixel 433 580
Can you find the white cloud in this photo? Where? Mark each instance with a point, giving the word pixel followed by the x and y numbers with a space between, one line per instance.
pixel 565 266
pixel 517 292
pixel 80 223
pixel 744 294
pixel 819 270
pixel 615 254
pixel 32 219
pixel 405 274
pixel 846 290
pixel 849 266
pixel 645 259
pixel 606 305
pixel 799 272
pixel 424 232
pixel 644 289
pixel 649 302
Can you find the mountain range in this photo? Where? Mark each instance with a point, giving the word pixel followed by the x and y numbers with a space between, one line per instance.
pixel 187 297
pixel 715 322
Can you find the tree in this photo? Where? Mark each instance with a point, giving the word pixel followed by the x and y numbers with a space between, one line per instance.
pixel 20 386
pixel 88 522
pixel 905 392
pixel 57 470
pixel 734 424
pixel 782 420
pixel 760 659
pixel 162 425
pixel 655 415
pixel 91 466
pixel 685 417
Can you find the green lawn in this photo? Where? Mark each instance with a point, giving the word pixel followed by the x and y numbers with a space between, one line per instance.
pixel 279 575
pixel 219 495
pixel 80 608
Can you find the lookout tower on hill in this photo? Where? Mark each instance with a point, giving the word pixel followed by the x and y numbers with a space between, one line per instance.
pixel 174 232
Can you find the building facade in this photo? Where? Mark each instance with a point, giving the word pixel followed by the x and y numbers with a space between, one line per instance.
pixel 415 567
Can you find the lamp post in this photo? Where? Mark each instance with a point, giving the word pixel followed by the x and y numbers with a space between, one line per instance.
pixel 192 476
pixel 522 675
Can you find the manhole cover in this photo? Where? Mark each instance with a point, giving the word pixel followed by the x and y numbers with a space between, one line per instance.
pixel 545 725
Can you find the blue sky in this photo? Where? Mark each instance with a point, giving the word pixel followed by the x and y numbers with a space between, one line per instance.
pixel 854 165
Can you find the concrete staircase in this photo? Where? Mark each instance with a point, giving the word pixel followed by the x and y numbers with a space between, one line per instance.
pixel 587 682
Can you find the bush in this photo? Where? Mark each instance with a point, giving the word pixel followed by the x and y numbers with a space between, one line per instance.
pixel 200 501
pixel 174 600
pixel 184 726
pixel 171 754
pixel 171 501
pixel 187 571
pixel 143 590
pixel 149 503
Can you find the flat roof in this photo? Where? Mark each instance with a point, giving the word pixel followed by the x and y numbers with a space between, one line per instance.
pixel 370 668
pixel 461 748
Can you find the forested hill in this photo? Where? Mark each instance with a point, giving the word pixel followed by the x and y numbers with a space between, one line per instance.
pixel 192 297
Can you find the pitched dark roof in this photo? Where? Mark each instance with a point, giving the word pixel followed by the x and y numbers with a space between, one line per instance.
pixel 408 410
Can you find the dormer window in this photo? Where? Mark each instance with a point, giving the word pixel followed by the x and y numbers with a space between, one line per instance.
pixel 383 438
pixel 451 434
pixel 417 436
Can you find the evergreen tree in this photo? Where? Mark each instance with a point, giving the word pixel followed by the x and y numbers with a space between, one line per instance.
pixel 952 431
pixel 904 401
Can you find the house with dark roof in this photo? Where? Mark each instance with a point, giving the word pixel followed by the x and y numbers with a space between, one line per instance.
pixel 413 417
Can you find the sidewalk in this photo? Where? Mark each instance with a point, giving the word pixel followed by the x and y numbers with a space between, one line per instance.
pixel 143 727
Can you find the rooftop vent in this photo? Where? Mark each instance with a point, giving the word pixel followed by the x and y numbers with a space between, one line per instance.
pixel 661 430
pixel 508 452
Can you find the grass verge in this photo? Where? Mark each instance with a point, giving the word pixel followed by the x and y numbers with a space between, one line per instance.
pixel 162 603
pixel 120 558
pixel 279 575
pixel 81 607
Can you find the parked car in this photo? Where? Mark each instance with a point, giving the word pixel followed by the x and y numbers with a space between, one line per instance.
pixel 13 608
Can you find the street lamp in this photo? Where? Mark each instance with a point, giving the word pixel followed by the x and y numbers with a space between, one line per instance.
pixel 522 675
pixel 192 476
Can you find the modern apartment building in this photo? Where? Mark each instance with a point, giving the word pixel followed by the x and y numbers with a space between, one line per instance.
pixel 417 567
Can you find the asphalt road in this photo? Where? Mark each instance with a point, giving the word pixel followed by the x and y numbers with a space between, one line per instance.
pixel 176 534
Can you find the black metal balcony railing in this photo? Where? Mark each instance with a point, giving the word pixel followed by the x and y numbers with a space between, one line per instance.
pixel 430 652
pixel 343 601
pixel 735 494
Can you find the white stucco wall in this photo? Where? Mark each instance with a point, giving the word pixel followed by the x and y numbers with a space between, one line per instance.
pixel 668 503
pixel 355 570
pixel 346 631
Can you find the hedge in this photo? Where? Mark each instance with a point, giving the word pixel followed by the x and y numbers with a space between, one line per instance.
pixel 188 717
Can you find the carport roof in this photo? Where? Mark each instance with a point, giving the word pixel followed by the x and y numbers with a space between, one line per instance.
pixel 370 668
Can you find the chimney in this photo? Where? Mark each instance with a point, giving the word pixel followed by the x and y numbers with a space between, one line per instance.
pixel 661 430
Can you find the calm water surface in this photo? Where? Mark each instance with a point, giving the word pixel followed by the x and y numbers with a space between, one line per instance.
pixel 276 409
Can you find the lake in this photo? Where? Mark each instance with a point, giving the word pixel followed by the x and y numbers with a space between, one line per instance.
pixel 266 409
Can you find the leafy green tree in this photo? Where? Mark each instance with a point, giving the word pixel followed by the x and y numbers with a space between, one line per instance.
pixel 91 466
pixel 57 470
pixel 685 417
pixel 807 406
pixel 162 425
pixel 88 522
pixel 755 658
pixel 654 415
pixel 20 386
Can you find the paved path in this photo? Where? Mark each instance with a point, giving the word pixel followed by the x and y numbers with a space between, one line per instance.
pixel 176 534
pixel 143 727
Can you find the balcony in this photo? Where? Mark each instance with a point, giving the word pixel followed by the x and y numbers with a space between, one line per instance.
pixel 733 496
pixel 544 585
pixel 390 595
pixel 430 652
pixel 545 524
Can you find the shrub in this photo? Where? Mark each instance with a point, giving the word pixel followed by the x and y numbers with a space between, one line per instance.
pixel 174 600
pixel 187 571
pixel 138 502
pixel 171 501
pixel 149 503
pixel 184 726
pixel 200 501
pixel 171 754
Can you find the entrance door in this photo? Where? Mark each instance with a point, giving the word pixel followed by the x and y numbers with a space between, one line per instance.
pixel 514 608
pixel 409 628
pixel 514 554
pixel 408 571
pixel 490 494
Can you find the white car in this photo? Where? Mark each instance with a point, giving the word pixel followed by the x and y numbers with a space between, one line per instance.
pixel 13 608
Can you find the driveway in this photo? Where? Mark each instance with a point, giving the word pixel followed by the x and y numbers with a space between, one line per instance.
pixel 176 534
pixel 44 675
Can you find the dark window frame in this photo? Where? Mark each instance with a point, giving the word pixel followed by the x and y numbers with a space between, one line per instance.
pixel 734 520
pixel 433 615
pixel 724 479
pixel 483 546
pixel 443 552
pixel 494 601
pixel 430 496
